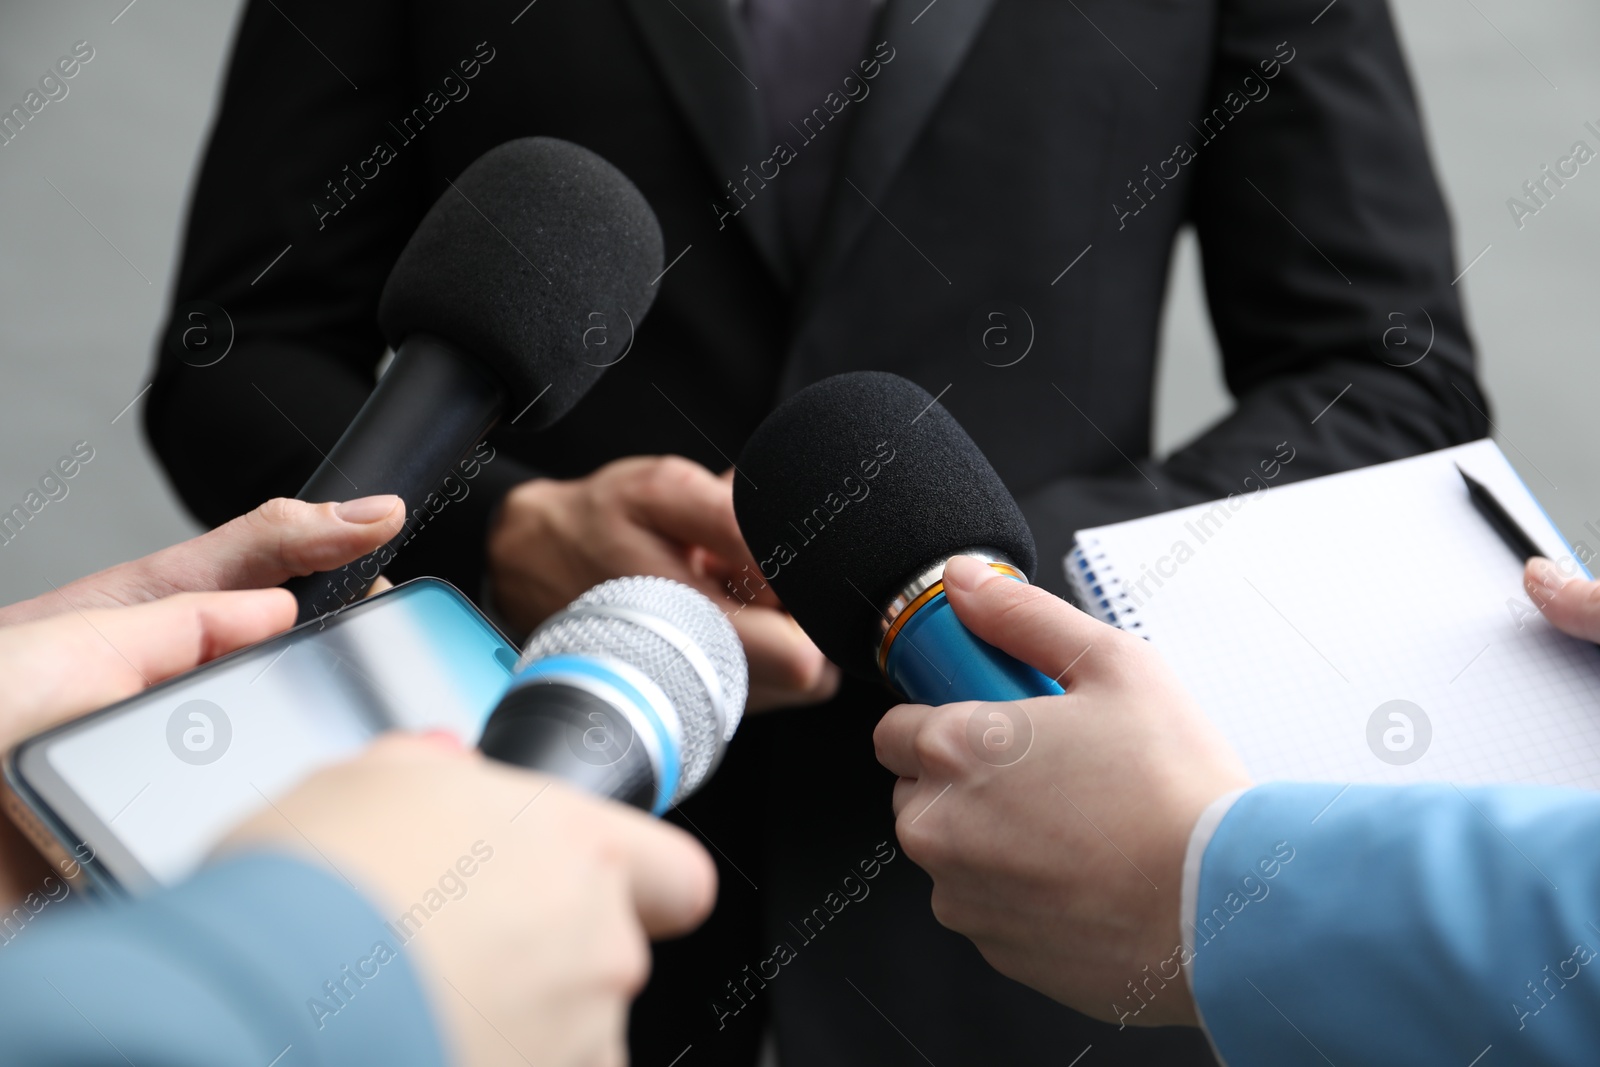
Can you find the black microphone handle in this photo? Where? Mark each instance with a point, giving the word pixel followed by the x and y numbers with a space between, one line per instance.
pixel 432 407
pixel 571 734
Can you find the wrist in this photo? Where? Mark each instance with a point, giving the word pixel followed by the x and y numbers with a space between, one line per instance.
pixel 1157 995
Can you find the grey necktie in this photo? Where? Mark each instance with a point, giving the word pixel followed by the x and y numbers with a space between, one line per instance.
pixel 803 50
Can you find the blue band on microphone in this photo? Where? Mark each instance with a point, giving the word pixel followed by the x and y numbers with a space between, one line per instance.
pixel 671 760
pixel 936 660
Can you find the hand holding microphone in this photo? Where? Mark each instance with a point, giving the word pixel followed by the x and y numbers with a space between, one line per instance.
pixel 1021 852
pixel 548 897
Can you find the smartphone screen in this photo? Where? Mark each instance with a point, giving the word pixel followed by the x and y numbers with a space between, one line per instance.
pixel 151 784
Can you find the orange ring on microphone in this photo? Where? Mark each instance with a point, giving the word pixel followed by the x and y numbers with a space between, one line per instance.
pixel 911 609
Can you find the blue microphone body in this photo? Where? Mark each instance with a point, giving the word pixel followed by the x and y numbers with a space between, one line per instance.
pixel 929 657
pixel 593 721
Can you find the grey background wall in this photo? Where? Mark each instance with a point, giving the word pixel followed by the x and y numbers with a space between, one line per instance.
pixel 91 197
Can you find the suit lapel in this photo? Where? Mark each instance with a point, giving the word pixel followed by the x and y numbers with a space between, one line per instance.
pixel 930 43
pixel 704 60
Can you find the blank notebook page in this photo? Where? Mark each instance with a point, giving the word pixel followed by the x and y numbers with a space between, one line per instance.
pixel 1293 617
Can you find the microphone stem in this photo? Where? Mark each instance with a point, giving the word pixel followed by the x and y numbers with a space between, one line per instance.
pixel 432 408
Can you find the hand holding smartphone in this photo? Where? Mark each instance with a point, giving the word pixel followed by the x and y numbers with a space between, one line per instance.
pixel 140 791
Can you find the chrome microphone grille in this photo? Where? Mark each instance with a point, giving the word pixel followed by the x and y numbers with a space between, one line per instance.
pixel 679 639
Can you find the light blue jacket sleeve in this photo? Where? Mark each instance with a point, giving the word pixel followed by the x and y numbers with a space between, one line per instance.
pixel 258 960
pixel 1408 925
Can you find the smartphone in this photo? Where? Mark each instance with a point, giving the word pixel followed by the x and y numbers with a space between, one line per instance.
pixel 136 794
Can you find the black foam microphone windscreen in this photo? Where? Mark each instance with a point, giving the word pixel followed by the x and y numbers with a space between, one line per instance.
pixel 515 258
pixel 850 489
pixel 497 306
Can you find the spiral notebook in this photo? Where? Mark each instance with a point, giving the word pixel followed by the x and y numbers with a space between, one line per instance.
pixel 1306 616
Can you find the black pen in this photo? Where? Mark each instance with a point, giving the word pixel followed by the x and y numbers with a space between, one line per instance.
pixel 1515 537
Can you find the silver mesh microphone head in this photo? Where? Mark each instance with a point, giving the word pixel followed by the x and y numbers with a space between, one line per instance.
pixel 679 639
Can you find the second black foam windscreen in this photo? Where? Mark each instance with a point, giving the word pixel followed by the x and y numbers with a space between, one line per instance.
pixel 536 244
pixel 850 488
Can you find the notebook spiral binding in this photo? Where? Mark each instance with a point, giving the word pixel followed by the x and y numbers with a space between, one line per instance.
pixel 1098 589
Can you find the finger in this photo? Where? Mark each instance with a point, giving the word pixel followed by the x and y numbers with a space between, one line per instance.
pixel 1571 604
pixel 1023 620
pixel 74 663
pixel 379 585
pixel 895 739
pixel 765 697
pixel 398 746
pixel 741 584
pixel 906 791
pixel 783 661
pixel 644 551
pixel 279 540
pixel 673 880
pixel 687 503
pixel 175 634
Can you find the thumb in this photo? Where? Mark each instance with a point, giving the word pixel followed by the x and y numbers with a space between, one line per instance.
pixel 1041 630
pixel 280 540
pixel 1571 605
pixel 673 879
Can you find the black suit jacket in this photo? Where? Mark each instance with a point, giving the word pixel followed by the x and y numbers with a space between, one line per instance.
pixel 1027 158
